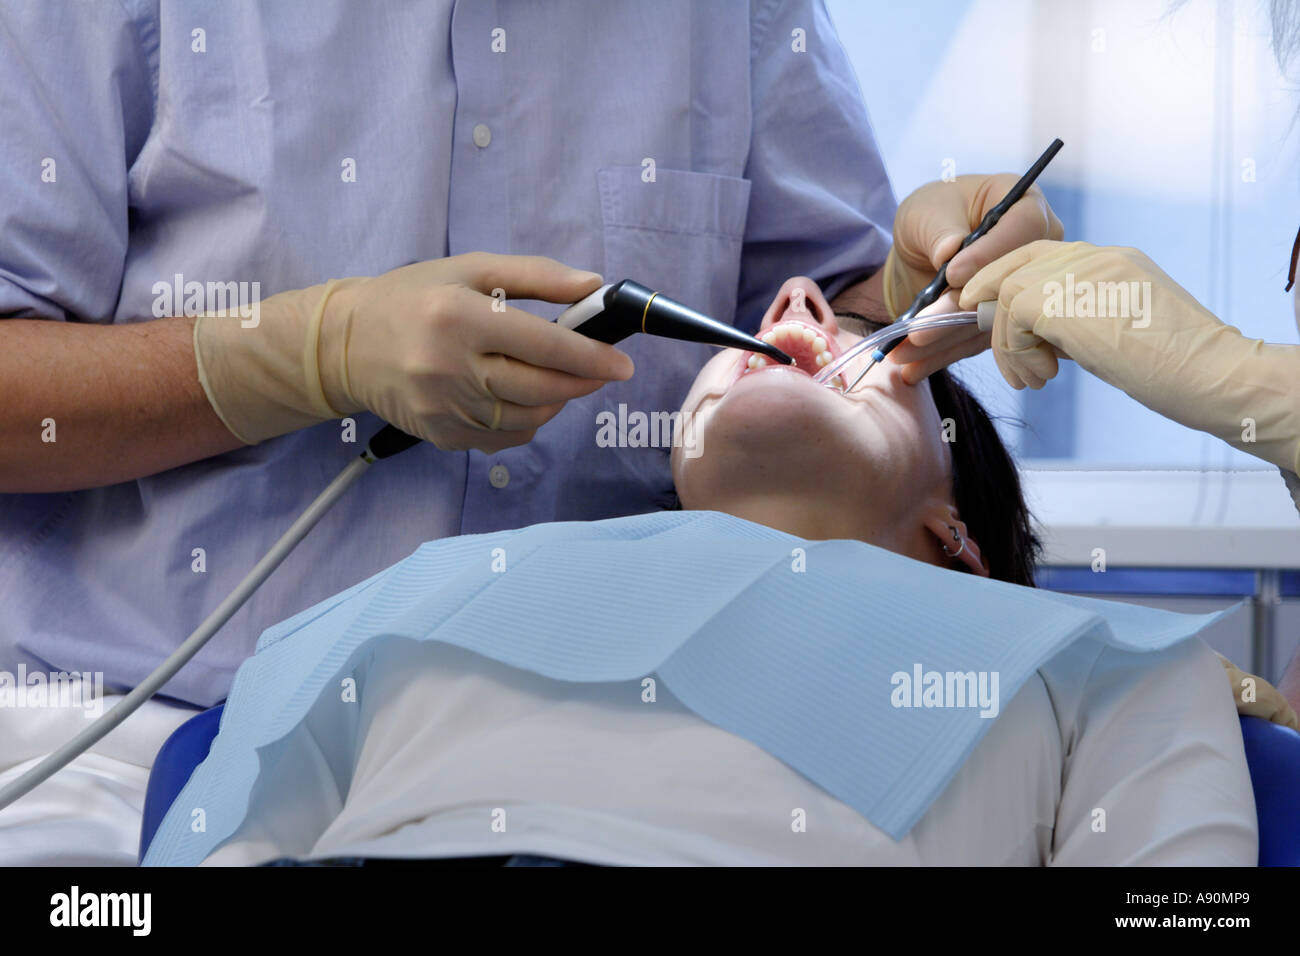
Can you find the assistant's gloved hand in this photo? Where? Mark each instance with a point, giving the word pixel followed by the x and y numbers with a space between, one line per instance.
pixel 426 347
pixel 1165 349
pixel 932 222
pixel 1265 699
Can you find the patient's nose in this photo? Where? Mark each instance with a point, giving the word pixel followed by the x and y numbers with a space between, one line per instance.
pixel 800 298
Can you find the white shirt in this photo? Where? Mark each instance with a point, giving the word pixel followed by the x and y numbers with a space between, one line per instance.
pixel 1103 757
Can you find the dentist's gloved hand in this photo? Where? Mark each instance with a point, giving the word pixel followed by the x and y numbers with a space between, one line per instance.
pixel 425 347
pixel 932 222
pixel 1165 349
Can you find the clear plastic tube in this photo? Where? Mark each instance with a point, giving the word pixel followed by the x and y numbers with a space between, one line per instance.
pixel 889 333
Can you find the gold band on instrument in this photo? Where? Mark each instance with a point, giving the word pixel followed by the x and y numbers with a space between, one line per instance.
pixel 647 309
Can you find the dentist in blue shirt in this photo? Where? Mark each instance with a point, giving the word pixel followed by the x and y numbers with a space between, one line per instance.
pixel 286 163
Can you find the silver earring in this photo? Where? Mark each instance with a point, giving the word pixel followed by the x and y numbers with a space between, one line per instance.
pixel 959 539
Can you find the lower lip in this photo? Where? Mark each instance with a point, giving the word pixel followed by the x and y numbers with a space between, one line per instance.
pixel 772 367
pixel 744 370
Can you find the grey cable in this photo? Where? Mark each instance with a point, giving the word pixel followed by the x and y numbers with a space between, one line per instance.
pixel 202 634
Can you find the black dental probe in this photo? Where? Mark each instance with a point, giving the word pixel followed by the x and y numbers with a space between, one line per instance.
pixel 939 283
pixel 614 312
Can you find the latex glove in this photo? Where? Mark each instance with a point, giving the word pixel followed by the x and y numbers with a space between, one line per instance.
pixel 421 346
pixel 932 222
pixel 1171 354
pixel 1268 703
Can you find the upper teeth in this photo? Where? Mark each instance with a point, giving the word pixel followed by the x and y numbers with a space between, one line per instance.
pixel 799 333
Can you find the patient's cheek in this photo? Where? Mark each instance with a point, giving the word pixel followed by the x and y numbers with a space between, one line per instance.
pixel 919 433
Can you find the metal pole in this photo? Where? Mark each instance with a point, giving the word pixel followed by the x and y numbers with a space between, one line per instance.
pixel 1263 621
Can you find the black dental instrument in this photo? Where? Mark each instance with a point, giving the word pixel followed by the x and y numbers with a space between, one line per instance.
pixel 939 283
pixel 614 312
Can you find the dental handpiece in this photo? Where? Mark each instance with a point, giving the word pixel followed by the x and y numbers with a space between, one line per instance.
pixel 613 312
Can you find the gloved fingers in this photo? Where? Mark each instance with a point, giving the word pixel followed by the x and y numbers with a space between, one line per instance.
pixel 1028 220
pixel 949 301
pixel 933 221
pixel 1032 358
pixel 930 224
pixel 1017 281
pixel 499 415
pixel 522 384
pixel 1027 364
pixel 476 421
pixel 519 277
pixel 1256 697
pixel 918 342
pixel 946 303
pixel 920 362
pixel 994 283
pixel 988 282
pixel 474 436
pixel 528 338
pixel 999 346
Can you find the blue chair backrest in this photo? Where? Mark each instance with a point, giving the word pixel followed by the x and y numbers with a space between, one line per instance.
pixel 184 750
pixel 1273 754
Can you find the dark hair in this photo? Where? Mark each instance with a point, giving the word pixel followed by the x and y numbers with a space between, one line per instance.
pixel 986 485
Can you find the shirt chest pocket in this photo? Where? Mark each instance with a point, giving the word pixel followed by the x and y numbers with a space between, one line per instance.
pixel 680 234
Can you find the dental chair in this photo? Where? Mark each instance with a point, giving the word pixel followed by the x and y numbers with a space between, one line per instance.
pixel 1272 753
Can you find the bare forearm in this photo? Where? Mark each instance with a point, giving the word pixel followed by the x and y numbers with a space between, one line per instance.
pixel 119 402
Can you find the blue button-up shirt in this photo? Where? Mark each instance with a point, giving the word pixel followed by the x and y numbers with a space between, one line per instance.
pixel 706 149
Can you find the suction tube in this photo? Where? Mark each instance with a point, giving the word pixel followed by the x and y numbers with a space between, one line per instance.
pixel 614 312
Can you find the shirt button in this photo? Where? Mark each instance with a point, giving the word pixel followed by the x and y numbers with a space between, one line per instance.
pixel 482 135
pixel 499 476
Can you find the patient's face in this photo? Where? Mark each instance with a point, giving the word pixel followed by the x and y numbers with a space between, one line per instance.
pixel 772 432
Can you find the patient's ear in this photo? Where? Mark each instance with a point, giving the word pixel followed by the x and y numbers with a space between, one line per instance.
pixel 950 531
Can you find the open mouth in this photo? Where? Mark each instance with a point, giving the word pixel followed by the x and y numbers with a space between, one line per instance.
pixel 810 347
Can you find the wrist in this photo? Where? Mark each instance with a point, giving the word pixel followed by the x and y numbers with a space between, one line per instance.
pixel 329 333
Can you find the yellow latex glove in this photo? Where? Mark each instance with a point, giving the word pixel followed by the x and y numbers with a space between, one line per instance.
pixel 1267 702
pixel 426 347
pixel 932 222
pixel 1165 349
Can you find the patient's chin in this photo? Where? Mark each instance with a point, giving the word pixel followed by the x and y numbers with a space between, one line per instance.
pixel 777 406
pixel 779 433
